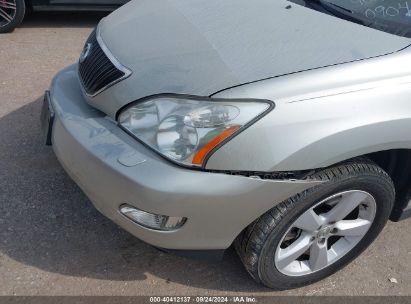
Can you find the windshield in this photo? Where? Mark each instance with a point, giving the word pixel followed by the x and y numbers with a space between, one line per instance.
pixel 391 16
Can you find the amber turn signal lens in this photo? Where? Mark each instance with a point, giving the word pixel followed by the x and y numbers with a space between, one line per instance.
pixel 201 155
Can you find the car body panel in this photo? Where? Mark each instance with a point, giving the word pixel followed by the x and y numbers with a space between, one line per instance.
pixel 179 47
pixel 96 2
pixel 331 104
pixel 324 116
pixel 36 3
pixel 75 5
pixel 96 153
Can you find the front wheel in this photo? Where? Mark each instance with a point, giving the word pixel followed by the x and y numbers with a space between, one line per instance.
pixel 11 14
pixel 317 232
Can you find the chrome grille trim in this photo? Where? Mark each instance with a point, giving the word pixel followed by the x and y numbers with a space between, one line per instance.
pixel 102 67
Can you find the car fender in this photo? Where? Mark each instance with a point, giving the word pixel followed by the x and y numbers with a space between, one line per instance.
pixel 323 117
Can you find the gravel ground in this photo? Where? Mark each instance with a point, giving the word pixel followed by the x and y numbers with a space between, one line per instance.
pixel 53 241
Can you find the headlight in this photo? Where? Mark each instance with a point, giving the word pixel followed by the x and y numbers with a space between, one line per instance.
pixel 188 130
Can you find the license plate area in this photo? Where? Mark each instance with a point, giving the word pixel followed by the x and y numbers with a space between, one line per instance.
pixel 47 118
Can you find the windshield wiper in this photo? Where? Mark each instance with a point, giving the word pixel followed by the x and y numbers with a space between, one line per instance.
pixel 336 10
pixel 326 4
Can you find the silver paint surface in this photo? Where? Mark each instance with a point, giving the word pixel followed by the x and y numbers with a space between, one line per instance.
pixel 89 146
pixel 324 116
pixel 335 99
pixel 204 46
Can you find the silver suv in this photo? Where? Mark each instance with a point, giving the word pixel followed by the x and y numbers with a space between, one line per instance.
pixel 280 127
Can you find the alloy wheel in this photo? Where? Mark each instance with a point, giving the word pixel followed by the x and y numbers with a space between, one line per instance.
pixel 325 233
pixel 8 10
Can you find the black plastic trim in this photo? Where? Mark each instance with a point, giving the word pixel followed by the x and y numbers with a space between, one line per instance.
pixel 99 57
pixel 406 214
pixel 74 8
pixel 47 118
pixel 402 211
pixel 279 175
pixel 201 98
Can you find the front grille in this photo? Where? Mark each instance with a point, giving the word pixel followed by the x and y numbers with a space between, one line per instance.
pixel 96 70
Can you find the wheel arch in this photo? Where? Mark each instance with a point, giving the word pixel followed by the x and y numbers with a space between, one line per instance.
pixel 29 4
pixel 396 162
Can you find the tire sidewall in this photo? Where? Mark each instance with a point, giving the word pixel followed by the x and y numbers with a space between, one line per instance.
pixel 372 184
pixel 18 18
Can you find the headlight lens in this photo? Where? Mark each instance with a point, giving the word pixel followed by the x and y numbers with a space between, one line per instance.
pixel 188 130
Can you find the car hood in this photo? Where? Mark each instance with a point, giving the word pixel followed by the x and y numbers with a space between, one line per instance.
pixel 200 47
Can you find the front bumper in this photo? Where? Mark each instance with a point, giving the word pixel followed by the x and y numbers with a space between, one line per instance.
pixel 114 169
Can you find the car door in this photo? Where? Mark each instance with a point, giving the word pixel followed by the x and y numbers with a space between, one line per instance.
pixel 89 2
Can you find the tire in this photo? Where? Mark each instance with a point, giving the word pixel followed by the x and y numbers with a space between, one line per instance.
pixel 260 244
pixel 14 16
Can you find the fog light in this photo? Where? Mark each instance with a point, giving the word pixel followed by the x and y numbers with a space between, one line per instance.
pixel 151 220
